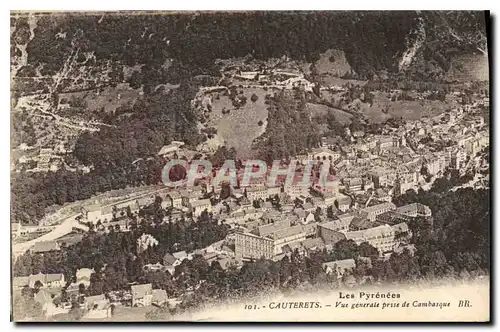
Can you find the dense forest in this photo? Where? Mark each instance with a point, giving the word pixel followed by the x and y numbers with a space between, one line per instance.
pixel 460 237
pixel 372 41
pixel 289 130
pixel 122 155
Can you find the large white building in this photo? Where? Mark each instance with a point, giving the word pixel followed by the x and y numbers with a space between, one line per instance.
pixel 373 211
pixel 253 246
pixel 381 237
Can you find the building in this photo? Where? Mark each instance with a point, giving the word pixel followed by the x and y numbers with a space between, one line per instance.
pixel 95 301
pixel 392 218
pixel 304 247
pixel 20 282
pixel 170 149
pixel 297 190
pixel 353 184
pixel 344 203
pixel 189 197
pixel 53 280
pixel 287 235
pixel 323 153
pixel 332 232
pixel 373 211
pixel 331 189
pixel 15 229
pixel 457 159
pixel 383 195
pixel 382 177
pixel 44 247
pixel 248 245
pixel 258 192
pixel 83 276
pixel 381 237
pixel 340 267
pixel 197 207
pixel 175 199
pixel 273 227
pixel 402 233
pixel 252 246
pixel 435 164
pixel 414 210
pixel 273 190
pixel 142 295
pixel 385 143
pixel 46 301
pixel 180 255
pixel 26 230
pixel 406 181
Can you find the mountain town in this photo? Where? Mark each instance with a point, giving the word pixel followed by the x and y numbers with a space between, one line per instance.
pixel 97 235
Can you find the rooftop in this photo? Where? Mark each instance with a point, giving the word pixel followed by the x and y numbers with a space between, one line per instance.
pixel 41 247
pixel 378 207
pixel 381 230
pixel 341 264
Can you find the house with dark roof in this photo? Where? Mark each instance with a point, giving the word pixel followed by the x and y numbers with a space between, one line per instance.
pixel 359 223
pixel 169 260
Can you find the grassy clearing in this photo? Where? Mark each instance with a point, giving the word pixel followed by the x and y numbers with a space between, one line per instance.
pixel 341 116
pixel 333 62
pixel 240 127
pixel 408 110
pixel 107 100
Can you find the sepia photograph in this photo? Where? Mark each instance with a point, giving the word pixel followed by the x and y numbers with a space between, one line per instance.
pixel 250 166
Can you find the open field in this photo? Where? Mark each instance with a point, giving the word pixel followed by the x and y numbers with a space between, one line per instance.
pixel 107 100
pixel 240 127
pixel 408 110
pixel 340 116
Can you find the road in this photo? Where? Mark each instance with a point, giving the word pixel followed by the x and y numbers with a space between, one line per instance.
pixel 65 227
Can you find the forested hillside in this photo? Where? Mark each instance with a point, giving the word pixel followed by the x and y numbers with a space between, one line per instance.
pixel 372 41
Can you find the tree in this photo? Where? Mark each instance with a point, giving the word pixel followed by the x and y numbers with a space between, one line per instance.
pixel 254 97
pixel 37 286
pixel 367 250
pixel 81 289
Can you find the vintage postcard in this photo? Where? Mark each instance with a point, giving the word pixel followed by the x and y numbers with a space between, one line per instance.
pixel 285 166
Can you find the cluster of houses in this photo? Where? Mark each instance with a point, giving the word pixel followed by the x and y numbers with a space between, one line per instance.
pixel 384 226
pixel 48 286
